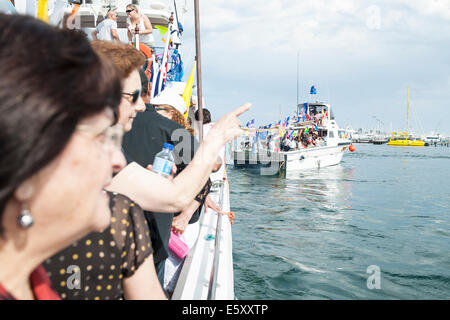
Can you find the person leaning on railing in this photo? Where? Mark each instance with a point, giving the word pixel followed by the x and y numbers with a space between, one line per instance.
pixel 114 263
pixel 58 100
pixel 155 193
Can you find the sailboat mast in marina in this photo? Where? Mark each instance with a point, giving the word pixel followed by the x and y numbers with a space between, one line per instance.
pixel 402 139
pixel 407 114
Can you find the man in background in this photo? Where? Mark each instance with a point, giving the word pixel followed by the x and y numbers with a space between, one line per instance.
pixel 107 29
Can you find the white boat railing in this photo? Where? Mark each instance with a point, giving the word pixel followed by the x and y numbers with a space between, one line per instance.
pixel 207 272
pixel 214 273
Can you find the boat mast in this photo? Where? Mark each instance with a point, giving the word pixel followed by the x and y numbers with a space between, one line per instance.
pixel 199 68
pixel 407 115
pixel 298 54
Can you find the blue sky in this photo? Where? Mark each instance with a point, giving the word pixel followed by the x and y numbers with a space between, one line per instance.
pixel 361 55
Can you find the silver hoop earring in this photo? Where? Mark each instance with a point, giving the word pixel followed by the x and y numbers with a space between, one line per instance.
pixel 25 219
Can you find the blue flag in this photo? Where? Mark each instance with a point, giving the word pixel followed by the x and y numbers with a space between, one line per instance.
pixel 304 111
pixel 313 90
pixel 287 120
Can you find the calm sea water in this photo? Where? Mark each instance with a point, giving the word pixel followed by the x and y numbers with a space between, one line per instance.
pixel 313 236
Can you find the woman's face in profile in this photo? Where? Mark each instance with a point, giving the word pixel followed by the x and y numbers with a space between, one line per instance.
pixel 131 13
pixel 127 108
pixel 69 200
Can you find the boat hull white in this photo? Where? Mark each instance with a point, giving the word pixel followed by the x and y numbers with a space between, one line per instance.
pixel 281 163
pixel 314 158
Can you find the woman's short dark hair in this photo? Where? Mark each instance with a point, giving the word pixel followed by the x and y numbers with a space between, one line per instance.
pixel 206 116
pixel 50 79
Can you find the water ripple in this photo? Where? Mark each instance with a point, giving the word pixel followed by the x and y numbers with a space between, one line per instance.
pixel 313 235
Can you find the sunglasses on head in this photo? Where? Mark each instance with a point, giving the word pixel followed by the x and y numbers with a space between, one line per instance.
pixel 135 95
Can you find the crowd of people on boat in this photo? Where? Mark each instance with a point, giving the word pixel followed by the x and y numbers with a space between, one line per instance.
pixel 296 140
pixel 82 214
pixel 304 138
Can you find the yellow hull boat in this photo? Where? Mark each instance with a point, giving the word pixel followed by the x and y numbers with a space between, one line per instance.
pixel 402 139
pixel 406 143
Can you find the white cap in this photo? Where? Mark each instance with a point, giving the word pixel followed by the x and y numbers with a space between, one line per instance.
pixel 170 97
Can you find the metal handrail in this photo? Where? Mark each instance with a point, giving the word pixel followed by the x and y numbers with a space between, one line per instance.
pixel 213 277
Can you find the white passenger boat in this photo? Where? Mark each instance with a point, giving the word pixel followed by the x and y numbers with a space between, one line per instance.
pixel 251 152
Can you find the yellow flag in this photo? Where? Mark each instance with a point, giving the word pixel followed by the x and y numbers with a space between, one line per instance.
pixel 42 10
pixel 162 29
pixel 188 90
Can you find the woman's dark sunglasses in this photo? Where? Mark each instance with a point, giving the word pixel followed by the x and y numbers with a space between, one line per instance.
pixel 135 95
pixel 130 10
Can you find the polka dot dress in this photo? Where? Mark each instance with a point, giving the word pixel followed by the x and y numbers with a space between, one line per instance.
pixel 93 268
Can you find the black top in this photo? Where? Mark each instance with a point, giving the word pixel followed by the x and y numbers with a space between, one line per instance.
pixel 150 131
pixel 93 268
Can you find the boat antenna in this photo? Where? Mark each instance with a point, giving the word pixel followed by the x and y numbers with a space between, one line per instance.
pixel 198 58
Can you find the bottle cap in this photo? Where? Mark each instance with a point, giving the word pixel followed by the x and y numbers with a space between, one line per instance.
pixel 168 146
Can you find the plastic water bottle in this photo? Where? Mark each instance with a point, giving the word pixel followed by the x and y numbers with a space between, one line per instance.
pixel 164 161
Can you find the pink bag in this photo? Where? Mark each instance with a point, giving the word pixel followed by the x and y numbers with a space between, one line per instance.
pixel 178 246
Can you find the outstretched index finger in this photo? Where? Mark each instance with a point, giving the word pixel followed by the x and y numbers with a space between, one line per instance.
pixel 238 111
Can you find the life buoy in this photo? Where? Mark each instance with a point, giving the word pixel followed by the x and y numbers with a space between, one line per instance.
pixel 148 61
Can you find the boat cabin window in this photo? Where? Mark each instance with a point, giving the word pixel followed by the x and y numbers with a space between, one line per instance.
pixel 398 138
pixel 315 109
pixel 331 134
pixel 341 134
pixel 322 133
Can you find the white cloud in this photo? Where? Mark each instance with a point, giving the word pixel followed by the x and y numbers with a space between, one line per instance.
pixel 433 8
pixel 359 53
pixel 281 25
